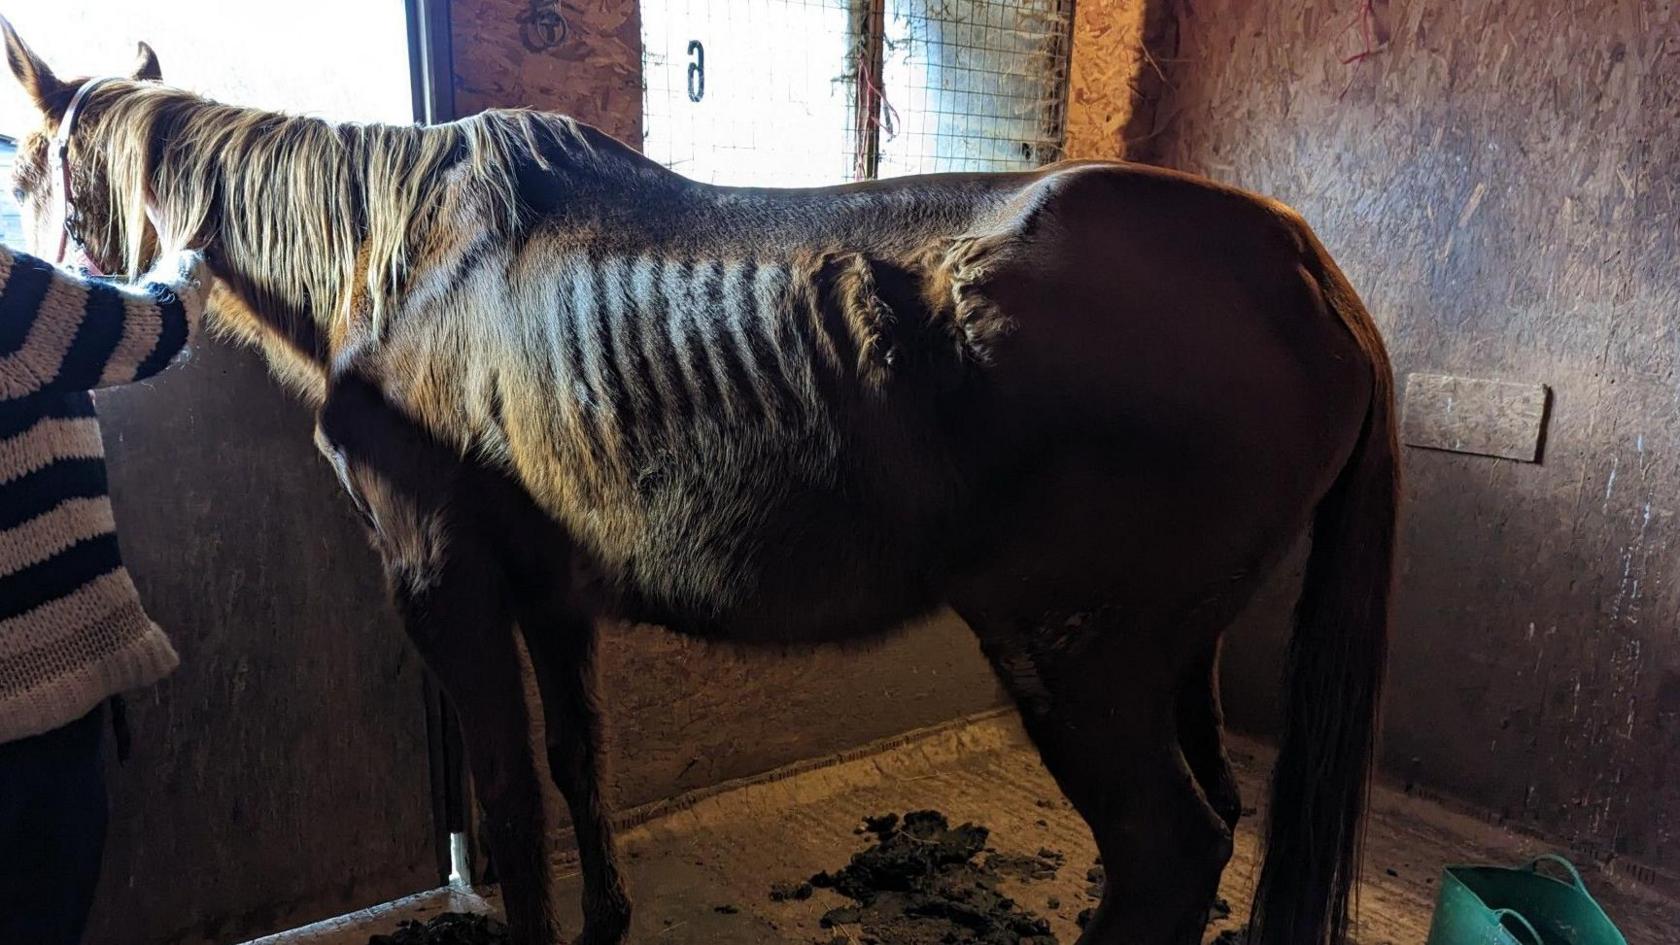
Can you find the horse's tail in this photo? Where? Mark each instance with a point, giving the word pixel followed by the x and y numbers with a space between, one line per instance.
pixel 1334 669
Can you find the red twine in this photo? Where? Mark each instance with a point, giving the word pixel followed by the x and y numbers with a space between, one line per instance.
pixel 1367 16
pixel 883 117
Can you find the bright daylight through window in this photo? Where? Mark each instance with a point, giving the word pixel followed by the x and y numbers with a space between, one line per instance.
pixel 270 55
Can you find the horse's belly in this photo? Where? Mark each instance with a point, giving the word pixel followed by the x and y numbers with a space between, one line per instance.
pixel 788 613
pixel 755 557
pixel 824 587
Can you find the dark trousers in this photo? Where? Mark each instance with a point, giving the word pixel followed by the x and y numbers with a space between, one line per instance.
pixel 52 832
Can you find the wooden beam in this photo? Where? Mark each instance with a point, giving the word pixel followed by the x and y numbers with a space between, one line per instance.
pixel 869 23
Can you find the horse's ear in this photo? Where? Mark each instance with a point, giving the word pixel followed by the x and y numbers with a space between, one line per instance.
pixel 37 80
pixel 147 69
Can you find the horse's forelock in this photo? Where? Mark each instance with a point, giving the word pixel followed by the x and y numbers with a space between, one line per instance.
pixel 29 177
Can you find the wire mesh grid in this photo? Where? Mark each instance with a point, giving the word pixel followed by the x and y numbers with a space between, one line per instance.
pixel 808 92
pixel 973 86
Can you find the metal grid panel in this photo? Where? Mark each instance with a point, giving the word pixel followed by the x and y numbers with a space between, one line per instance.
pixel 973 85
pixel 944 85
pixel 776 105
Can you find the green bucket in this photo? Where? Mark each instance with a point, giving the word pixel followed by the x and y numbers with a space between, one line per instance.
pixel 1494 905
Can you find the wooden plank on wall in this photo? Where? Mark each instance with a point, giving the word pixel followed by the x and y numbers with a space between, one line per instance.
pixel 1116 77
pixel 1472 415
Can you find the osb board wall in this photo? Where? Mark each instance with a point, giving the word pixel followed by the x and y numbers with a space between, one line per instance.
pixel 1103 64
pixel 680 714
pixel 1114 83
pixel 1501 180
pixel 578 57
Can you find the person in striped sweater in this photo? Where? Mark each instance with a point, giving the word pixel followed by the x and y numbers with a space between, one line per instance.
pixel 72 630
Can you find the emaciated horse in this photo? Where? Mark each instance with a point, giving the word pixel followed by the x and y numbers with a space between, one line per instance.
pixel 1088 407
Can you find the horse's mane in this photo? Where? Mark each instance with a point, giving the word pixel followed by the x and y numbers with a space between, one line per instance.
pixel 324 212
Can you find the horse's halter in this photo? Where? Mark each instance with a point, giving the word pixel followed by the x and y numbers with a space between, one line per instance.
pixel 58 158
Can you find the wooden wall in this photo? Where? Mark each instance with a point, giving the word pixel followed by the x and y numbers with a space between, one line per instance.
pixel 280 775
pixel 682 715
pixel 1103 66
pixel 582 59
pixel 1113 83
pixel 1501 180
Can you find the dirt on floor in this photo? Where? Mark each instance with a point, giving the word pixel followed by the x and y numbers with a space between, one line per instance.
pixel 450 928
pixel 734 865
pixel 924 882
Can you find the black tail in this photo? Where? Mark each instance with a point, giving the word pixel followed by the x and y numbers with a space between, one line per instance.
pixel 1335 671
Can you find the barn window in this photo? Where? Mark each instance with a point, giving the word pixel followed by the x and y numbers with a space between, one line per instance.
pixel 806 92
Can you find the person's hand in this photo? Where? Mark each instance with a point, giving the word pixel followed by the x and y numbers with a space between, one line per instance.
pixel 175 265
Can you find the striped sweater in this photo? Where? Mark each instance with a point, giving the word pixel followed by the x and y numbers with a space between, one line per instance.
pixel 72 631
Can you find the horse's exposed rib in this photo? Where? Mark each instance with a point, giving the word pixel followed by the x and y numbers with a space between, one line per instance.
pixel 704 277
pixel 812 310
pixel 604 285
pixel 604 411
pixel 750 336
pixel 580 325
pixel 640 330
pixel 678 350
pixel 783 309
pixel 577 308
pixel 720 306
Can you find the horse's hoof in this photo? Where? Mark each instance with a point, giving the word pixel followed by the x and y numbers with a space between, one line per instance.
pixel 610 928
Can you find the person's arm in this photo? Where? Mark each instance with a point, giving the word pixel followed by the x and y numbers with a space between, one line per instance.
pixel 61 333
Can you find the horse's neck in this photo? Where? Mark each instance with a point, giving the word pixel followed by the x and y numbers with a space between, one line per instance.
pixel 251 302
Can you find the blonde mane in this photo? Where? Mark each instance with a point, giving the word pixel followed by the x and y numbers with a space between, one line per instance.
pixel 325 215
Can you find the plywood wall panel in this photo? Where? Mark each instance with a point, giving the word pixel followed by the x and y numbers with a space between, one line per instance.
pixel 1103 69
pixel 580 57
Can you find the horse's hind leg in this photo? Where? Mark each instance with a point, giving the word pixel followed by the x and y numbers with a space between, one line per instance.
pixel 1100 699
pixel 562 648
pixel 1201 726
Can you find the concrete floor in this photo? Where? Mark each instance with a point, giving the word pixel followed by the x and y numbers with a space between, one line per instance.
pixel 724 848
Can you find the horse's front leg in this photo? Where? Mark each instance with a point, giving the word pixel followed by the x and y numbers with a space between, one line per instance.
pixel 462 625
pixel 457 608
pixel 561 643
